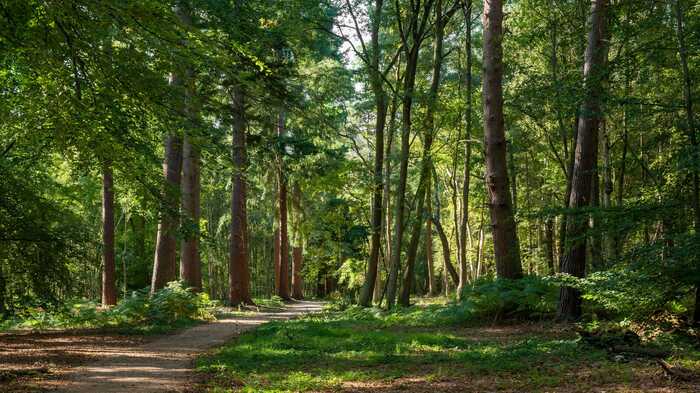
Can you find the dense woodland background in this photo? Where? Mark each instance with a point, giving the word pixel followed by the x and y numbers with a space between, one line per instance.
pixel 353 148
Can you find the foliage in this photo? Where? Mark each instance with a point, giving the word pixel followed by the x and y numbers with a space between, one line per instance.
pixel 171 307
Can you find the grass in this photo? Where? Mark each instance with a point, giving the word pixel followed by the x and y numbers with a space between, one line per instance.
pixel 427 346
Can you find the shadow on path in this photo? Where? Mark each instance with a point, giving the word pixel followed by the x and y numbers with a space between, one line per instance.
pixel 165 365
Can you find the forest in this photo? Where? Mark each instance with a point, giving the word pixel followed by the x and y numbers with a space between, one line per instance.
pixel 349 195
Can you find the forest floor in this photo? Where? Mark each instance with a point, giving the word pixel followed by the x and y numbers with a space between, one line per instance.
pixel 418 350
pixel 94 361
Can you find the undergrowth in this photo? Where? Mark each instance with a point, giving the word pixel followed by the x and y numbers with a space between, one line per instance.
pixel 174 306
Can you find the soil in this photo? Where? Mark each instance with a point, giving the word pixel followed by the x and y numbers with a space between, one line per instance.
pixel 92 361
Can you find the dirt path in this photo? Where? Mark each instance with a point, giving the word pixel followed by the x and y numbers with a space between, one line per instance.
pixel 165 365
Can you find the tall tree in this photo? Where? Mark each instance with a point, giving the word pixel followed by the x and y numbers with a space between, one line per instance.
pixel 239 273
pixel 412 31
pixel 464 224
pixel 282 257
pixel 109 285
pixel 505 237
pixel 574 262
pixel 298 244
pixel 165 262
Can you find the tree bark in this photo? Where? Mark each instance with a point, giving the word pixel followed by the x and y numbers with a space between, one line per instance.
pixel 574 262
pixel 190 263
pixel 505 237
pixel 549 244
pixel 464 224
pixel 109 285
pixel 297 248
pixel 239 272
pixel 283 255
pixel 165 260
pixel 429 243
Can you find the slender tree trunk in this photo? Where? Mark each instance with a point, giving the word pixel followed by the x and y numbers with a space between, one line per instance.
pixel 464 224
pixel 692 137
pixel 549 243
pixel 378 292
pixel 109 285
pixel 239 272
pixel 165 260
pixel 505 237
pixel 409 273
pixel 283 257
pixel 607 189
pixel 190 263
pixel 574 262
pixel 399 205
pixel 276 258
pixel 429 243
pixel 297 248
pixel 380 101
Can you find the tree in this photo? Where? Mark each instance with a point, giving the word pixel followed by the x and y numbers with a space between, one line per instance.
pixel 109 284
pixel 239 273
pixel 282 255
pixel 505 237
pixel 574 262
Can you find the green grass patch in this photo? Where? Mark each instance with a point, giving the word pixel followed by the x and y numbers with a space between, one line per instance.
pixel 322 352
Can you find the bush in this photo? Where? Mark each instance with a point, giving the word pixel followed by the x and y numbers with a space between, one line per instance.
pixel 529 297
pixel 173 306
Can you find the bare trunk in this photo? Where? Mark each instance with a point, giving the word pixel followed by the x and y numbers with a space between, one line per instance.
pixel 574 262
pixel 464 224
pixel 505 237
pixel 190 263
pixel 429 244
pixel 283 255
pixel 297 248
pixel 109 285
pixel 165 260
pixel 239 272
pixel 549 244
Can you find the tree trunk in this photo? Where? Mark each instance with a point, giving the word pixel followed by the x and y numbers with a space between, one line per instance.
pixel 549 243
pixel 109 285
pixel 692 137
pixel 464 224
pixel 400 199
pixel 409 273
pixel 165 260
pixel 190 263
pixel 505 237
pixel 239 272
pixel 297 248
pixel 574 262
pixel 283 255
pixel 429 244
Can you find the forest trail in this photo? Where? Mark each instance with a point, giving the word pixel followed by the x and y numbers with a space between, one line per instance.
pixel 165 365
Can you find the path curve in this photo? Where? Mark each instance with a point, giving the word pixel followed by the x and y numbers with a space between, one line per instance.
pixel 166 364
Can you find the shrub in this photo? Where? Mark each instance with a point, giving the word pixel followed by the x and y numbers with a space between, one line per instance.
pixel 529 297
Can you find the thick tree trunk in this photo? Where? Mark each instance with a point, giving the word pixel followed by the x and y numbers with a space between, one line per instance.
pixel 109 285
pixel 692 137
pixel 239 272
pixel 283 256
pixel 574 262
pixel 165 260
pixel 190 263
pixel 505 237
